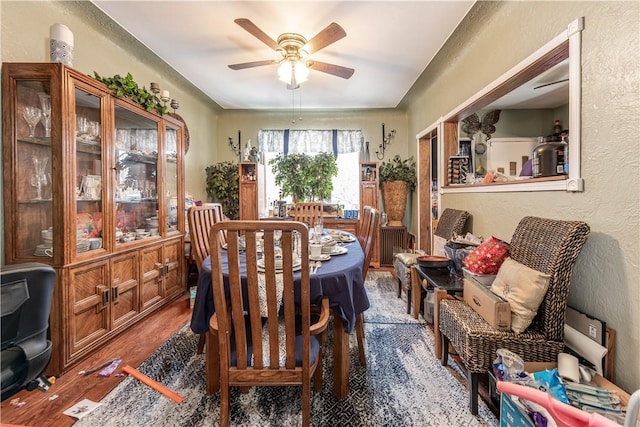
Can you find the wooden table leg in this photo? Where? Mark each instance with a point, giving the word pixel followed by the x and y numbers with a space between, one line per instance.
pixel 340 359
pixel 416 292
pixel 439 295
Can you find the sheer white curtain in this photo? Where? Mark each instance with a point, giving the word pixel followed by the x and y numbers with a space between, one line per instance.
pixel 309 141
pixel 344 144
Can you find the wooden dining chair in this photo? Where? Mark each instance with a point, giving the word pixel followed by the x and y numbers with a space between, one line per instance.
pixel 264 337
pixel 309 213
pixel 363 225
pixel 372 221
pixel 201 219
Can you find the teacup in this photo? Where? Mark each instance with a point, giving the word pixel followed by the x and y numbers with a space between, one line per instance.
pixel 315 250
pixel 49 252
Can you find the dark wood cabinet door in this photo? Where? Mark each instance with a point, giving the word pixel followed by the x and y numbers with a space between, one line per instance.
pixel 89 296
pixel 173 279
pixel 125 289
pixel 152 268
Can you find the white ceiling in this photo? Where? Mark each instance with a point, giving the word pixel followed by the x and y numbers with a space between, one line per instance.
pixel 388 43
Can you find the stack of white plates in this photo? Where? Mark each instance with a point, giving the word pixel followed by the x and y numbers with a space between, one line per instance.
pixel 335 250
pixel 40 250
pixel 83 245
pixel 341 236
pixel 278 263
pixel 328 246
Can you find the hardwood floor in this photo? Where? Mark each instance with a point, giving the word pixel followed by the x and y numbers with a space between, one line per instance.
pixel 133 346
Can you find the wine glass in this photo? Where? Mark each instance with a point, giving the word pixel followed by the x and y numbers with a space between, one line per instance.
pixel 32 116
pixel 39 177
pixel 39 182
pixel 45 103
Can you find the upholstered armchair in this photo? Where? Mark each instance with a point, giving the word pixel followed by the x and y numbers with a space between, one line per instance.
pixel 452 221
pixel 547 246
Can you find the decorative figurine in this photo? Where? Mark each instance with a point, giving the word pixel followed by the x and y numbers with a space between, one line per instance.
pixel 254 156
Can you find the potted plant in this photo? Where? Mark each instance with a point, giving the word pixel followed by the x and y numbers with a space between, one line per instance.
pixel 223 187
pixel 397 177
pixel 304 177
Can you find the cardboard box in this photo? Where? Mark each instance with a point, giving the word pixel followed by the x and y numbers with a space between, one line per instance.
pixel 490 306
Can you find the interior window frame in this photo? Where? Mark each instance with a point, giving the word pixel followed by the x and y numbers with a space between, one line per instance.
pixel 568 44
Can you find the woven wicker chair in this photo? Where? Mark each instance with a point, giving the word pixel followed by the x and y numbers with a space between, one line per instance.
pixel 452 221
pixel 546 245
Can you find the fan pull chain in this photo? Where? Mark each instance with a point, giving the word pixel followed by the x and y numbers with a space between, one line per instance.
pixel 300 89
pixel 293 106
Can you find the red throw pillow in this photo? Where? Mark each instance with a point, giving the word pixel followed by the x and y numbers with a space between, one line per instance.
pixel 488 257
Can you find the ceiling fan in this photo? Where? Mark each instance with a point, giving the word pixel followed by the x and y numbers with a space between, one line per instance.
pixel 294 48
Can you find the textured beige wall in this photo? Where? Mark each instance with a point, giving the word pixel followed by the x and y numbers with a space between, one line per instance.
pixel 100 45
pixel 493 38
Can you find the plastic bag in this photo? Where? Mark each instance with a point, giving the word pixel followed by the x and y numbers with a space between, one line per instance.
pixel 457 252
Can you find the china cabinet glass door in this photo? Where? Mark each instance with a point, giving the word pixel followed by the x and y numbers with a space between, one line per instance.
pixel 171 178
pixel 136 192
pixel 32 173
pixel 88 192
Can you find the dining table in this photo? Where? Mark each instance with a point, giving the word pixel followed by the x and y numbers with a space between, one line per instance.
pixel 339 278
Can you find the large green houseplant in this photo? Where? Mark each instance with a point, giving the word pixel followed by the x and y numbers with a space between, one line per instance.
pixel 223 187
pixel 397 178
pixel 304 177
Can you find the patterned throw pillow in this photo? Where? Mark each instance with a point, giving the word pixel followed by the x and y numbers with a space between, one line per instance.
pixel 488 257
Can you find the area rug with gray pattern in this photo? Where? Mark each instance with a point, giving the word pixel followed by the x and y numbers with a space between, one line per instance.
pixel 403 383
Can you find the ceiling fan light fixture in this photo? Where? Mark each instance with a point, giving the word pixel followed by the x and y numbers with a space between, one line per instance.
pixel 293 72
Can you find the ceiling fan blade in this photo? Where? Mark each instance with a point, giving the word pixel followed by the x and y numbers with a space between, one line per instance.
pixel 336 70
pixel 257 33
pixel 244 65
pixel 331 34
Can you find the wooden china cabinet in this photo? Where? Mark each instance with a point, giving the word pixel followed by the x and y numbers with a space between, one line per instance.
pixel 94 186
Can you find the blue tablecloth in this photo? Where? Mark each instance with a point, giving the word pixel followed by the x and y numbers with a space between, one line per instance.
pixel 339 278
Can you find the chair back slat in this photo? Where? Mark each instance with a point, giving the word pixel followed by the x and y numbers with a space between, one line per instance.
pixel 550 246
pixel 309 213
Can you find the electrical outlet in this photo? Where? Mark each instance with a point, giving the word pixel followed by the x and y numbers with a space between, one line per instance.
pixel 593 332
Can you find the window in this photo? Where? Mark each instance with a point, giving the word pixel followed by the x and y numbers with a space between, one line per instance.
pixel 345 145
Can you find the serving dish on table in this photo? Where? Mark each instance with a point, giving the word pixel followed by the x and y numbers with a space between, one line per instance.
pixel 431 261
